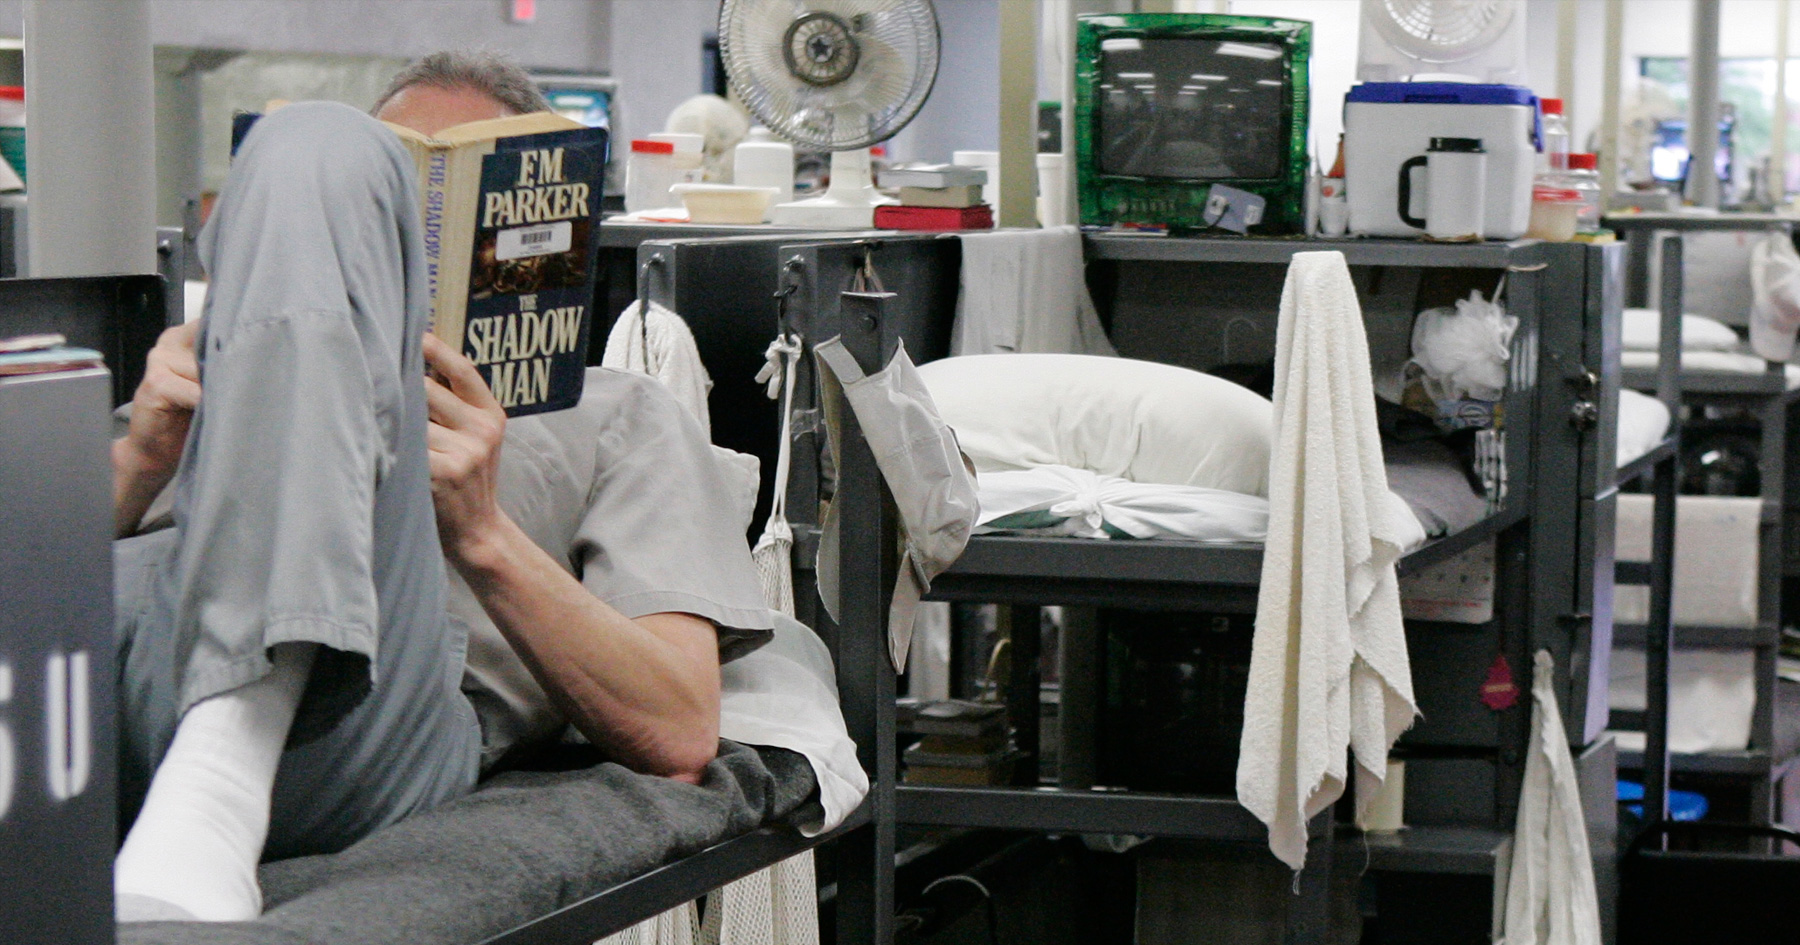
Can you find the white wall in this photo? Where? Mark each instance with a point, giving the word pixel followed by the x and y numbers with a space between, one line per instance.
pixel 567 34
pixel 1335 24
pixel 656 56
pixel 963 112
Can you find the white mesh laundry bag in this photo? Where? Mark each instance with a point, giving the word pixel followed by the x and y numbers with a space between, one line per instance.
pixel 674 927
pixel 778 905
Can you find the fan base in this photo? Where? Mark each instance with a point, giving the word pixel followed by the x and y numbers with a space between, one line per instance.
pixel 824 213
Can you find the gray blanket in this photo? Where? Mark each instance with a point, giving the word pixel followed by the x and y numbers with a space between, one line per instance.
pixel 523 845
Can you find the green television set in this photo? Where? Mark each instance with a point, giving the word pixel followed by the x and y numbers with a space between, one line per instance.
pixel 1169 104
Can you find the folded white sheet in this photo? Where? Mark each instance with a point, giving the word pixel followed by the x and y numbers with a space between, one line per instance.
pixel 1062 500
pixel 1643 422
pixel 1712 698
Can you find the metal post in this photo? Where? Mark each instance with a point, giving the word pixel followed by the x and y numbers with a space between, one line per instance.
pixel 1614 61
pixel 1659 634
pixel 1703 106
pixel 90 141
pixel 865 904
pixel 1018 114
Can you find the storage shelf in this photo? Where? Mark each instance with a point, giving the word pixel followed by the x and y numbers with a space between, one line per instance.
pixel 1746 764
pixel 1701 383
pixel 1279 250
pixel 1153 572
pixel 1701 637
pixel 629 235
pixel 1646 464
pixel 1624 222
pixel 1075 811
pixel 1466 851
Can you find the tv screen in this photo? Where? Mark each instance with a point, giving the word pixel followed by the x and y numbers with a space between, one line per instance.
pixel 1184 108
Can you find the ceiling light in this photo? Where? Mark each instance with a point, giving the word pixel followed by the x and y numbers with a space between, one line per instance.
pixel 1137 75
pixel 1121 45
pixel 1203 77
pixel 1274 82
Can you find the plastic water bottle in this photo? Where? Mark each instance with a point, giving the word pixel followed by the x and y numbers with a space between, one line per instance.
pixel 1584 178
pixel 1556 136
pixel 763 160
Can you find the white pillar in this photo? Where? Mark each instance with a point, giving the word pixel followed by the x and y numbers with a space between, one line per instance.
pixel 90 138
pixel 1018 114
pixel 1566 28
pixel 1703 106
pixel 1613 63
pixel 1778 128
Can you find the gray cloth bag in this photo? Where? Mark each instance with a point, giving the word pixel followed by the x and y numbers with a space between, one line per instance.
pixel 933 488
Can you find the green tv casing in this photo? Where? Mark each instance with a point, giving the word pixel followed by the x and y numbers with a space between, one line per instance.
pixel 1108 199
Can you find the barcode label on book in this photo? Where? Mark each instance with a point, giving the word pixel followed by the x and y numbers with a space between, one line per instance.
pixel 540 240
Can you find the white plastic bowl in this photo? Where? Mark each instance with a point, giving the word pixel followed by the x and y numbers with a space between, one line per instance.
pixel 725 203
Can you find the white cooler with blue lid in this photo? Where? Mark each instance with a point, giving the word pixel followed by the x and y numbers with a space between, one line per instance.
pixel 1385 123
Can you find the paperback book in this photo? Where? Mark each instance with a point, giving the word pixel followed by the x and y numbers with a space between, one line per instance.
pixel 511 210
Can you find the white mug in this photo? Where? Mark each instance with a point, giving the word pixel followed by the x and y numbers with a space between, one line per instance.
pixel 1455 189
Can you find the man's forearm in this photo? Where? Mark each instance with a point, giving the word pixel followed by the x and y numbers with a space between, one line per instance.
pixel 645 690
pixel 136 483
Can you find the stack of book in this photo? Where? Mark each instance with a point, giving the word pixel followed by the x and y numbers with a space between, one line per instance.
pixel 936 197
pixel 964 744
pixel 43 354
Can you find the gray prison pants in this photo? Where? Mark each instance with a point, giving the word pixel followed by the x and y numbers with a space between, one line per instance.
pixel 302 506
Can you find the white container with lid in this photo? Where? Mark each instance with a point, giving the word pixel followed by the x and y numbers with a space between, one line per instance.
pixel 1388 123
pixel 764 160
pixel 649 173
pixel 689 159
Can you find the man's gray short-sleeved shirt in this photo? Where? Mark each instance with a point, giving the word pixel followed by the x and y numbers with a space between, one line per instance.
pixel 624 491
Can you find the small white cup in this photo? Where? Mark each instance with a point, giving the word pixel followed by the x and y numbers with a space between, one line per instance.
pixel 1334 215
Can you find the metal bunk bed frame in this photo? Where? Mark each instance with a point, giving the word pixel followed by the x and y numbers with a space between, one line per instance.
pixel 811 271
pixel 1763 764
pixel 1015 570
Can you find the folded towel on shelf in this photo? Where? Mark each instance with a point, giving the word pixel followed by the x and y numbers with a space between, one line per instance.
pixel 1025 292
pixel 1550 894
pixel 1328 664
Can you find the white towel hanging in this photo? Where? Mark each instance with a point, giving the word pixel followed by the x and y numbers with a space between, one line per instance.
pixel 1550 896
pixel 1329 674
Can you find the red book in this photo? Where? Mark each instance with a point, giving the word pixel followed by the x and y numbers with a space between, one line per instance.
pixel 980 217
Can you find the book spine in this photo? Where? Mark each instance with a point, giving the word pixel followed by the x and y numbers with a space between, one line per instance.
pixel 434 192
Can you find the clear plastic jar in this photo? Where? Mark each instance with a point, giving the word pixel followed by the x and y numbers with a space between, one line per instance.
pixel 1553 213
pixel 649 173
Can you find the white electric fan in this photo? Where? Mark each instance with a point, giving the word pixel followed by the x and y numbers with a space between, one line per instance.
pixel 835 75
pixel 1442 40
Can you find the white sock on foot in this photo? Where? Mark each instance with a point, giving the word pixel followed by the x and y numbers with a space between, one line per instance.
pixel 195 845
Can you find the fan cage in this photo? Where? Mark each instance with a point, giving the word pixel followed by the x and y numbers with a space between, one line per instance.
pixel 1441 31
pixel 878 98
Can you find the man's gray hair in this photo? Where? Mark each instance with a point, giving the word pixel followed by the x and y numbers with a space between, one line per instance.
pixel 484 71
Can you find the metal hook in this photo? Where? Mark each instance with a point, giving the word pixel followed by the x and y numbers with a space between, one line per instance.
pixel 866 275
pixel 643 294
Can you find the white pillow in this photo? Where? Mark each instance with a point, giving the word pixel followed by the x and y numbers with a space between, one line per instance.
pixel 1642 331
pixel 1137 420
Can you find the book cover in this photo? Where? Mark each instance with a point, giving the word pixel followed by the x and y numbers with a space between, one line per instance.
pixel 933 175
pixel 934 218
pixel 511 211
pixel 966 195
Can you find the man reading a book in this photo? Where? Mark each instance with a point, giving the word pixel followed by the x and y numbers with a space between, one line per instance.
pixel 298 666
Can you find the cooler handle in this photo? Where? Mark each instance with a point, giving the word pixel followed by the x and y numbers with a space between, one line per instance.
pixel 1406 170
